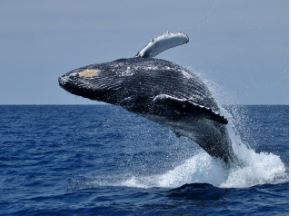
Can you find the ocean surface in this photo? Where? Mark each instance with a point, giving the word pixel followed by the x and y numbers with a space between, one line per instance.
pixel 103 160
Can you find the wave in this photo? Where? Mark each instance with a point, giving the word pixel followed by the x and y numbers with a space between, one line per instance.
pixel 261 168
pixel 258 169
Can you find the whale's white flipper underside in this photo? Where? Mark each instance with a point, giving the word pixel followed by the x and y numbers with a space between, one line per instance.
pixel 161 43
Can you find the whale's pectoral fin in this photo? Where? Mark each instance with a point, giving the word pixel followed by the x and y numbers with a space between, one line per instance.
pixel 185 106
pixel 162 43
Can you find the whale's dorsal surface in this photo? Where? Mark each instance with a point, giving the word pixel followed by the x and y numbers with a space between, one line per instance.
pixel 161 43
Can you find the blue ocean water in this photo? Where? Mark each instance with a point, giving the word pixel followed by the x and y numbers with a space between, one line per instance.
pixel 102 160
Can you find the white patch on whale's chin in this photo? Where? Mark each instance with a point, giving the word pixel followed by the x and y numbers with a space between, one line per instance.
pixel 88 73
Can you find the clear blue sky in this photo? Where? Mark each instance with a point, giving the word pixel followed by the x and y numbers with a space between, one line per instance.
pixel 241 45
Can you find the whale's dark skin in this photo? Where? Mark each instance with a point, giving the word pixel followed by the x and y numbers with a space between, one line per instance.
pixel 162 92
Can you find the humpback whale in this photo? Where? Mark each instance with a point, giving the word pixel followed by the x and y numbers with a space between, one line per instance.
pixel 158 90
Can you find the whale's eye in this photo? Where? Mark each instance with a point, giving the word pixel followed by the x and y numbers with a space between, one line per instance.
pixel 88 73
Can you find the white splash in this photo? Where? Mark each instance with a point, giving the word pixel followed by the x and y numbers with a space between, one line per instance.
pixel 260 168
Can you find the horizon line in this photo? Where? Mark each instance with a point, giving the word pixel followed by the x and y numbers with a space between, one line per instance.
pixel 102 104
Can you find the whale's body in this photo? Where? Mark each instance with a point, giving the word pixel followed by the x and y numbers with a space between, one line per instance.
pixel 162 92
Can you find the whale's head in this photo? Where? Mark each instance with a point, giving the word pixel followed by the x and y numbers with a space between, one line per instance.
pixel 114 82
pixel 97 82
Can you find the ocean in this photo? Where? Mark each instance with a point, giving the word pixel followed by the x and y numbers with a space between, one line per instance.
pixel 103 160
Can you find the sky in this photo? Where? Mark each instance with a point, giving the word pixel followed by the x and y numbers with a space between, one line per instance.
pixel 240 46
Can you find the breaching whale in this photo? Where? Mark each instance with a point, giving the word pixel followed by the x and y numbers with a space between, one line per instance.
pixel 159 90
